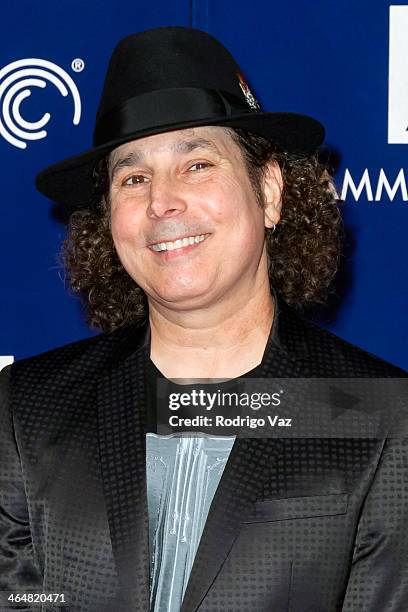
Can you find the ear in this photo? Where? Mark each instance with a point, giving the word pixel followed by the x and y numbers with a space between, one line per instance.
pixel 272 189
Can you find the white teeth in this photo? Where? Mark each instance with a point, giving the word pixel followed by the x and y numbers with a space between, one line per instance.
pixel 179 243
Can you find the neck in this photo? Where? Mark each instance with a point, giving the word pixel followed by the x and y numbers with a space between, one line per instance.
pixel 213 342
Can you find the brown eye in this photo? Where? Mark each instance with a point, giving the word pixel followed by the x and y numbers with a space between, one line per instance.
pixel 200 166
pixel 136 179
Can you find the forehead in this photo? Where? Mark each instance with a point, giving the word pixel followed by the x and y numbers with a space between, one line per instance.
pixel 213 138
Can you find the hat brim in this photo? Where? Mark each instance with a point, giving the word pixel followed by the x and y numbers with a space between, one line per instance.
pixel 70 181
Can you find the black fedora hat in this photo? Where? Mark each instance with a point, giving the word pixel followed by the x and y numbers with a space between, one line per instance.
pixel 167 79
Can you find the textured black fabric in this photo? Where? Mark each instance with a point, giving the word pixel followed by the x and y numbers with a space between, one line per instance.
pixel 296 524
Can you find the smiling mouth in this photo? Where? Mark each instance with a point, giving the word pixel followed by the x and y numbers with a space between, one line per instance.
pixel 179 243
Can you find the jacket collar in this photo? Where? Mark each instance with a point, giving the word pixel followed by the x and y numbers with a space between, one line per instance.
pixel 122 397
pixel 288 335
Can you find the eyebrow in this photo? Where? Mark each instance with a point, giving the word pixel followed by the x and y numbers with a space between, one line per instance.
pixel 183 146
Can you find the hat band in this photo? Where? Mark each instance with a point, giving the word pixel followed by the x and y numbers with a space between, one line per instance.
pixel 166 107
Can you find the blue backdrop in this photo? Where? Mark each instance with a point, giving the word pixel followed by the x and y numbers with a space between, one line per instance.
pixel 342 62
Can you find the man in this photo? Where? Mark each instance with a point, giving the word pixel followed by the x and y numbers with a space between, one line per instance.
pixel 196 220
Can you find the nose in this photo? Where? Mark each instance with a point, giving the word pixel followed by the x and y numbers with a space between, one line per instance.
pixel 166 198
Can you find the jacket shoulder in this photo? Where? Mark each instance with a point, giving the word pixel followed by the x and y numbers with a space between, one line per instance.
pixel 331 355
pixel 79 359
pixel 323 353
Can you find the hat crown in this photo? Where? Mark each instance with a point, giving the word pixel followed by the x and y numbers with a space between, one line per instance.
pixel 165 58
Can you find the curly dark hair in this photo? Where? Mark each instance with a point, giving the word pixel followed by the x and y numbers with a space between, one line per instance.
pixel 303 251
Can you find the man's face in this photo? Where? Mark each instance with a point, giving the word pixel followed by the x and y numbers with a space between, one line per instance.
pixel 185 220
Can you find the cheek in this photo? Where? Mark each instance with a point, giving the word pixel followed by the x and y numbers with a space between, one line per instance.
pixel 239 212
pixel 125 226
pixel 223 202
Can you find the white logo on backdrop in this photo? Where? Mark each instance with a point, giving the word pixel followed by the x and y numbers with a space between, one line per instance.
pixel 398 76
pixel 377 186
pixel 5 360
pixel 15 79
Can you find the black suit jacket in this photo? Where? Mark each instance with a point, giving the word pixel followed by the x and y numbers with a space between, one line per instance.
pixel 296 525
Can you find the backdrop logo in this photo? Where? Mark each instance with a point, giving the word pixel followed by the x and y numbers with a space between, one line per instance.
pixel 15 80
pixel 398 76
pixel 5 360
pixel 381 185
pixel 375 188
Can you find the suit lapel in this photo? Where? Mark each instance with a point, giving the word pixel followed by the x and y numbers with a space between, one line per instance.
pixel 241 482
pixel 249 463
pixel 121 426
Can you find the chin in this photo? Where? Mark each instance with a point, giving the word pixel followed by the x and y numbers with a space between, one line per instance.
pixel 181 298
